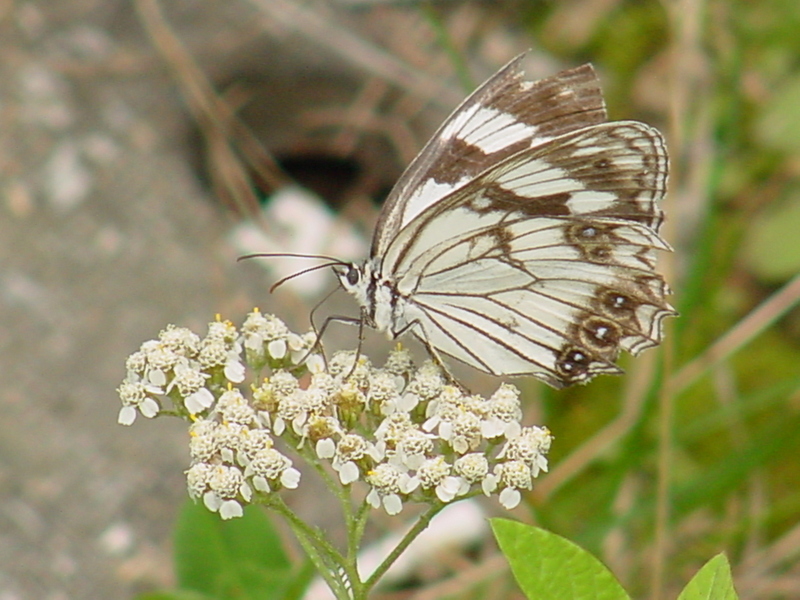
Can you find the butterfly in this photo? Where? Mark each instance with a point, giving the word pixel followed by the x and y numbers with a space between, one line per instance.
pixel 522 239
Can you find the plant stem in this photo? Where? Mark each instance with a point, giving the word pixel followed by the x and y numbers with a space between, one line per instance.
pixel 326 559
pixel 409 537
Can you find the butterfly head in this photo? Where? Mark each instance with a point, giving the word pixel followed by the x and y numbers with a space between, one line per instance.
pixel 354 278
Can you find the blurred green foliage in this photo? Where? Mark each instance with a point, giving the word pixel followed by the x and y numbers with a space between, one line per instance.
pixel 734 215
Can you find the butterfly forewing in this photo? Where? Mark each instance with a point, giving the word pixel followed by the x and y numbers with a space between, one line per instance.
pixel 523 238
pixel 594 173
pixel 502 117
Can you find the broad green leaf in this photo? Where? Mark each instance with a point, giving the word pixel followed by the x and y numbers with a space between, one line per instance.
pixel 238 559
pixel 712 582
pixel 550 567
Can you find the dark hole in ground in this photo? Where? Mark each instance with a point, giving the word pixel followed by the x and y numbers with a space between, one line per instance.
pixel 328 176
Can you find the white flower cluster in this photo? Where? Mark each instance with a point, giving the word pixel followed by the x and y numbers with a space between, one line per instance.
pixel 406 432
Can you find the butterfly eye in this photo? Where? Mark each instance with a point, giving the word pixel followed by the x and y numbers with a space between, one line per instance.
pixel 353 275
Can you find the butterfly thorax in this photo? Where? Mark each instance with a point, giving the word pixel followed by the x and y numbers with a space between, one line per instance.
pixel 382 307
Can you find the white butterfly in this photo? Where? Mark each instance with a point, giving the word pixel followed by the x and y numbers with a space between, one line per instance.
pixel 522 239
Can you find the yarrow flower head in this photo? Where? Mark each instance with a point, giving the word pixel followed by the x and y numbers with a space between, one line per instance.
pixel 250 394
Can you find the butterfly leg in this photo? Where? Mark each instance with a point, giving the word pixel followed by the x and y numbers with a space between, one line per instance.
pixel 321 331
pixel 360 343
pixel 432 352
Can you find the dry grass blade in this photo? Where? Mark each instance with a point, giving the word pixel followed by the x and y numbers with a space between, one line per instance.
pixel 217 121
pixel 466 580
pixel 756 575
pixel 757 321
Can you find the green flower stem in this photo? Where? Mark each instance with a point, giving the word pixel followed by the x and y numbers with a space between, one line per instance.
pixel 330 482
pixel 321 553
pixel 354 536
pixel 345 501
pixel 353 539
pixel 327 571
pixel 356 533
pixel 409 537
pixel 356 524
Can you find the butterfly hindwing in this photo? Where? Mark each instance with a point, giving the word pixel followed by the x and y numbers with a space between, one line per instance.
pixel 516 300
pixel 544 264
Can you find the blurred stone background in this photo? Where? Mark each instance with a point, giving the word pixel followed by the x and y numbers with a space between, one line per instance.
pixel 137 138
pixel 105 237
pixel 110 230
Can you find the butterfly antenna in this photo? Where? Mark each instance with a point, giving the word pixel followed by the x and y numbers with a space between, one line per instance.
pixel 318 333
pixel 287 255
pixel 303 272
pixel 330 263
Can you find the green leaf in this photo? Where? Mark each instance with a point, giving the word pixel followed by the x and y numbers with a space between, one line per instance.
pixel 550 567
pixel 237 559
pixel 712 582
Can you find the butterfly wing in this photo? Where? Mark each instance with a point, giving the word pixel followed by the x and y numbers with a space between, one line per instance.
pixel 544 264
pixel 505 115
